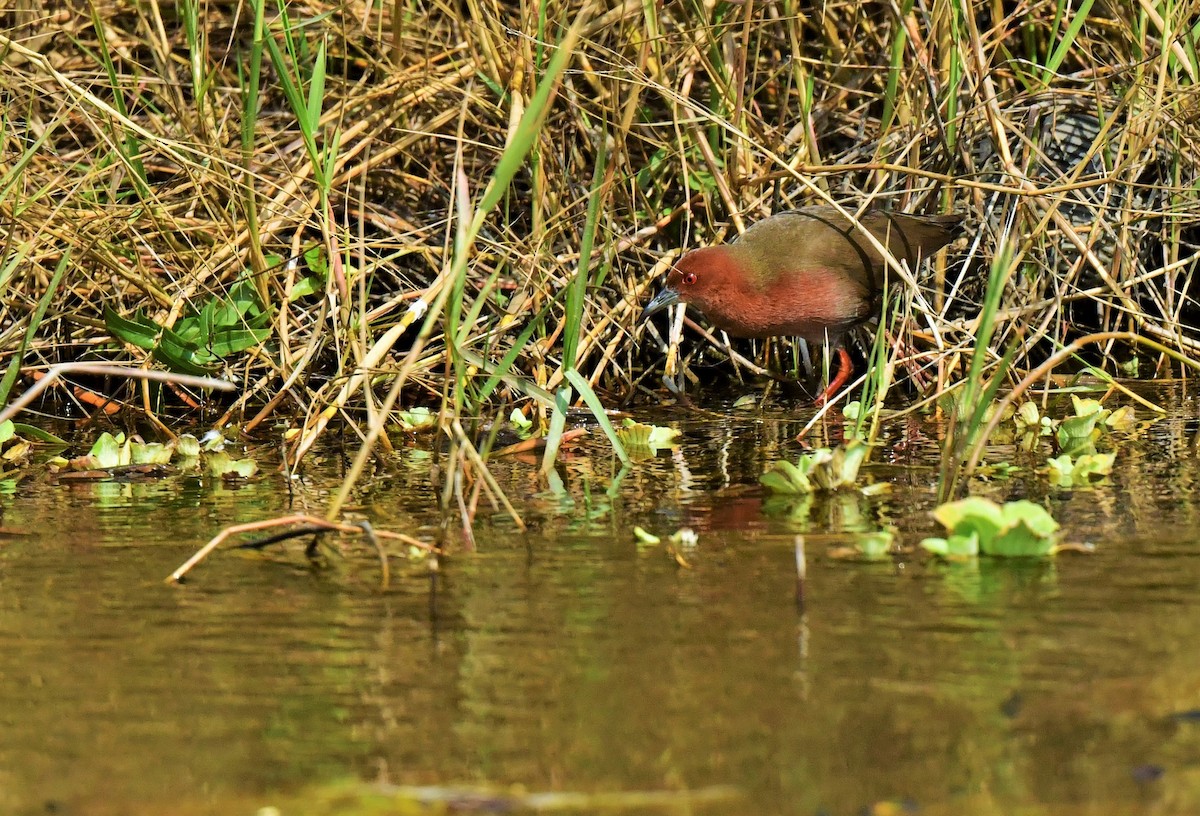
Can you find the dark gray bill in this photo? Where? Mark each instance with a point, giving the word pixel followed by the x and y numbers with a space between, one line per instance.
pixel 665 298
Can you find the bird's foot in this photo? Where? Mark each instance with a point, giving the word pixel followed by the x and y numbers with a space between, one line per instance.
pixel 845 368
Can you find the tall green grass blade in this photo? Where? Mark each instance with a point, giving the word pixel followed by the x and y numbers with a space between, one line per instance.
pixel 1068 41
pixel 316 89
pixel 970 414
pixel 956 79
pixel 449 299
pixel 589 396
pixel 895 67
pixel 35 322
pixel 527 130
pixel 131 146
pixel 558 424
pixel 578 285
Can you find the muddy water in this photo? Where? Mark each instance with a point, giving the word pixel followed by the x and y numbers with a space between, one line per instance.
pixel 567 659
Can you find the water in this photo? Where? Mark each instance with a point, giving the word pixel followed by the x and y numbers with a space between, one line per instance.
pixel 568 659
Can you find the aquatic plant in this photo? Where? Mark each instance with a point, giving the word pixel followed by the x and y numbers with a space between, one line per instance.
pixel 471 225
pixel 821 469
pixel 979 526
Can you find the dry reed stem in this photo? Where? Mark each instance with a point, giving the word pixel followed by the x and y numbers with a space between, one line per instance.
pixel 310 524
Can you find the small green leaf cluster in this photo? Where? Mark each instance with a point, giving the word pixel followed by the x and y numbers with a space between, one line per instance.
pixel 978 526
pixel 417 419
pixel 822 469
pixel 111 452
pixel 636 436
pixel 1065 471
pixel 1078 462
pixel 1083 427
pixel 222 327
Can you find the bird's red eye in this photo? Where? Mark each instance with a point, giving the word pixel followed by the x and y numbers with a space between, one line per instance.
pixel 689 278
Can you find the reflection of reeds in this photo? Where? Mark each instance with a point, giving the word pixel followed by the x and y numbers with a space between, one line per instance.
pixel 411 227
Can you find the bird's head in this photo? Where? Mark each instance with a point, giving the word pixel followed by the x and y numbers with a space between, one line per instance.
pixel 699 279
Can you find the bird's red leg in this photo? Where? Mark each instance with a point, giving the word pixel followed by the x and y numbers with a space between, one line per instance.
pixel 845 369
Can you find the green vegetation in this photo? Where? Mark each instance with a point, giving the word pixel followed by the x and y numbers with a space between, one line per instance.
pixel 977 526
pixel 352 218
pixel 822 469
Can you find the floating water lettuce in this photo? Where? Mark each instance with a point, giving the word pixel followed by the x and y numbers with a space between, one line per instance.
pixel 107 451
pixel 113 453
pixel 1067 472
pixel 822 469
pixel 1124 419
pixel 870 546
pixel 222 465
pixel 212 440
pixel 979 526
pixel 151 453
pixel 418 419
pixel 1032 424
pixel 17 453
pixel 517 418
pixel 19 450
pixel 187 445
pixel 681 541
pixel 636 435
pixel 1079 429
pixel 997 470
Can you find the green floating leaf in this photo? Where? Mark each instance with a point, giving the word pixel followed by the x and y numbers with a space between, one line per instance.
pixel 417 419
pixel 1123 419
pixel 1030 421
pixel 636 435
pixel 955 547
pixel 875 545
pixel 18 452
pixel 1028 415
pixel 1095 465
pixel 151 453
pixel 1086 406
pixel 978 525
pixel 518 420
pixel 643 537
pixel 8 430
pixel 187 446
pixel 785 477
pixel 973 511
pixel 221 464
pixel 1067 472
pixel 106 451
pixel 1076 429
pixel 822 469
pixel 997 470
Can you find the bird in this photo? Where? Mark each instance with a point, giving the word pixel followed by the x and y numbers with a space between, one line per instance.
pixel 809 273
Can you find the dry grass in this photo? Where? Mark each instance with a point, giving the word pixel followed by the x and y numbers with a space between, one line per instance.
pixel 128 164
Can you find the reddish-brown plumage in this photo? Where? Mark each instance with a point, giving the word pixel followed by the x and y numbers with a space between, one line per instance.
pixel 811 273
